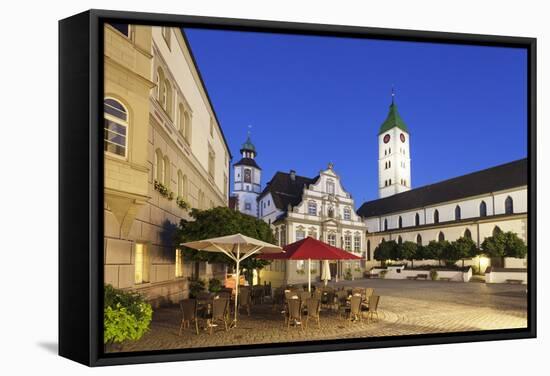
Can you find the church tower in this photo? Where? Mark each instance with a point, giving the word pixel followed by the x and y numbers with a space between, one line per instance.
pixel 247 175
pixel 394 159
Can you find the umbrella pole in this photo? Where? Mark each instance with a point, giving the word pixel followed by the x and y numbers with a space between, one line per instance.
pixel 309 275
pixel 237 283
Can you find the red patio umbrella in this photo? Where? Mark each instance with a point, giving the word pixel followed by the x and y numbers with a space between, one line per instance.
pixel 310 249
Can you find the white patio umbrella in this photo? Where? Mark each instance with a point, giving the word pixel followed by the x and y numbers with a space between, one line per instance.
pixel 237 247
pixel 326 272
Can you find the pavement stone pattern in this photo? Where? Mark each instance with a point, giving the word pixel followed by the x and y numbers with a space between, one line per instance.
pixel 406 307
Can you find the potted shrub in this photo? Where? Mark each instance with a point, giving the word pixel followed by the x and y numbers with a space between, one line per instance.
pixel 126 316
pixel 214 285
pixel 383 273
pixel 196 286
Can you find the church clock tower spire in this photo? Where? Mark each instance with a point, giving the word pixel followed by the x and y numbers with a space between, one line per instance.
pixel 247 179
pixel 394 161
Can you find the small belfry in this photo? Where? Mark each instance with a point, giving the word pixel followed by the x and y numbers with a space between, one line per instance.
pixel 394 160
pixel 247 179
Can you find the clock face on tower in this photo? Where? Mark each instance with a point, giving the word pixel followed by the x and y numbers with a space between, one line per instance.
pixel 386 138
pixel 402 137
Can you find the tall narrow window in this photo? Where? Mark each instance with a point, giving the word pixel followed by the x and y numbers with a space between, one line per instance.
pixel 211 161
pixel 436 216
pixel 167 177
pixel 283 235
pixel 458 213
pixel 417 219
pixel 166 35
pixel 385 225
pixel 419 239
pixel 180 184
pixel 158 171
pixel 441 236
pixel 141 259
pixel 300 233
pixel 181 120
pixel 169 98
pixel 347 242
pixel 179 263
pixel 347 214
pixel 161 93
pixel 115 127
pixel 509 205
pixel 400 220
pixel 368 250
pixel 330 187
pixel 467 234
pixel 483 209
pixel 312 208
pixel 357 243
pixel 247 175
pixel 331 239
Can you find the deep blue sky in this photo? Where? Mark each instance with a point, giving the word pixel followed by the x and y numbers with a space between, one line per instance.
pixel 311 100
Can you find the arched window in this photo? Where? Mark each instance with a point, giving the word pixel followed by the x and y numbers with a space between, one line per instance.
pixel 159 169
pixel 166 166
pixel 368 250
pixel 399 240
pixel 169 98
pixel 180 183
pixel 441 236
pixel 400 222
pixel 509 205
pixel 300 233
pixel 389 164
pixel 385 225
pixel 331 239
pixel 419 239
pixel 467 234
pixel 458 213
pixel 436 216
pixel 312 208
pixel 159 80
pixel 496 231
pixel 417 219
pixel 247 175
pixel 181 119
pixel 483 209
pixel 115 127
pixel 347 214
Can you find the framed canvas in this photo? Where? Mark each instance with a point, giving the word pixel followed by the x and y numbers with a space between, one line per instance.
pixel 238 188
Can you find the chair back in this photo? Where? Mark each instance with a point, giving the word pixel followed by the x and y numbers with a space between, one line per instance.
pixel 224 295
pixel 290 294
pixel 341 295
pixel 327 297
pixel 219 308
pixel 373 303
pixel 293 308
pixel 357 290
pixel 369 291
pixel 313 306
pixel 304 295
pixel 244 296
pixel 204 295
pixel 317 294
pixel 355 305
pixel 189 309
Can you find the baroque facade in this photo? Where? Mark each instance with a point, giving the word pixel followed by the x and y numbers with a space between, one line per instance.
pixel 297 206
pixel 165 152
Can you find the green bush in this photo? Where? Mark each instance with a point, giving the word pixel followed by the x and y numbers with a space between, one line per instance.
pixel 347 275
pixel 214 285
pixel 196 286
pixel 126 315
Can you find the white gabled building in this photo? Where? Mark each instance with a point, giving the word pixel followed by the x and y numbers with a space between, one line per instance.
pixel 296 207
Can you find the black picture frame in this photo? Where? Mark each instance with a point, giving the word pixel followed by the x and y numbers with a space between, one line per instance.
pixel 81 182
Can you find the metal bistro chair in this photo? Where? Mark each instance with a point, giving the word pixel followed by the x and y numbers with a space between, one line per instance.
pixel 294 313
pixel 245 299
pixel 304 295
pixel 372 308
pixel 278 298
pixel 354 309
pixel 313 311
pixel 340 300
pixel 219 312
pixel 188 313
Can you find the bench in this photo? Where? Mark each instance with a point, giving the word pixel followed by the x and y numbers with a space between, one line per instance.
pixel 412 277
pixel 445 279
pixel 422 276
pixel 375 275
pixel 514 281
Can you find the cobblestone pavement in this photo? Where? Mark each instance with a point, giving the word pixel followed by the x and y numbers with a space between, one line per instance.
pixel 406 307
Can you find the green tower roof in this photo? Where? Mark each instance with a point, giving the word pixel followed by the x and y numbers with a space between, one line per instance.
pixel 393 120
pixel 248 146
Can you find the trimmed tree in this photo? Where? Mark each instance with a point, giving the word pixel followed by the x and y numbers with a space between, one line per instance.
pixel 222 221
pixel 385 251
pixel 504 244
pixel 436 250
pixel 407 251
pixel 464 248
